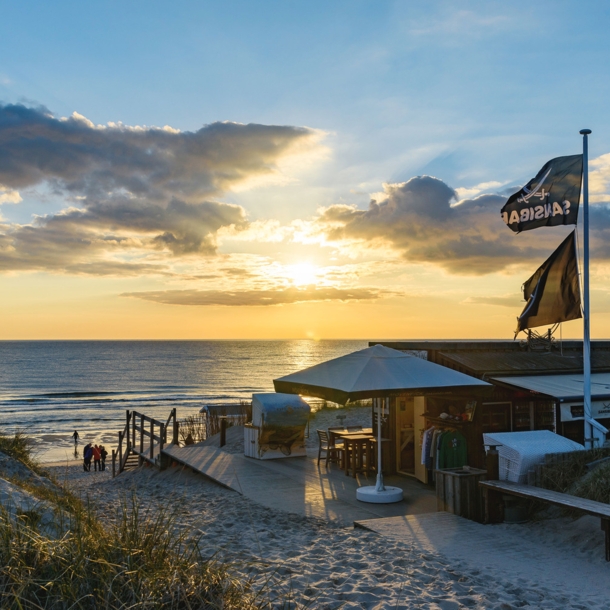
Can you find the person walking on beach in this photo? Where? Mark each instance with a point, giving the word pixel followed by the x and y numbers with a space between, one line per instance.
pixel 97 456
pixel 75 437
pixel 87 455
pixel 103 454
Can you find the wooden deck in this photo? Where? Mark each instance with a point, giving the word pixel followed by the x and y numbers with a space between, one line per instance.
pixel 300 486
pixel 494 492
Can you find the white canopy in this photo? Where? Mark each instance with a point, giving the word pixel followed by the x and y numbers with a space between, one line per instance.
pixel 568 386
pixel 372 372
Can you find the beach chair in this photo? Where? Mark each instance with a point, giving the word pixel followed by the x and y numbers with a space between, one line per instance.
pixel 333 453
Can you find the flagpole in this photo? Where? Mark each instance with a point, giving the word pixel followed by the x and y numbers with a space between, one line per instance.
pixel 588 428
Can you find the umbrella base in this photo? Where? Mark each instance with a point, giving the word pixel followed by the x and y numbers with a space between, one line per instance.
pixel 371 495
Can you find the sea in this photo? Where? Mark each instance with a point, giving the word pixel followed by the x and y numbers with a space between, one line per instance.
pixel 49 389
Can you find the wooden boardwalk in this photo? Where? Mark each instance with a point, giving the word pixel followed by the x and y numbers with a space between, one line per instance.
pixel 298 485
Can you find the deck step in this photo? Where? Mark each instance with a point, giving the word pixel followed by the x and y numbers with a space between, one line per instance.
pixel 133 462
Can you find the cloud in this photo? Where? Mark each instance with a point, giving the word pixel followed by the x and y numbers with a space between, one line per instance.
pixel 599 179
pixel 511 301
pixel 240 298
pixel 473 191
pixel 136 189
pixel 420 219
pixel 9 196
pixel 156 163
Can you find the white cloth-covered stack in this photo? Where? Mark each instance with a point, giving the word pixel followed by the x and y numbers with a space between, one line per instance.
pixel 521 451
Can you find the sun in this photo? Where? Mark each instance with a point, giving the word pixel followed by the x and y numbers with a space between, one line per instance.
pixel 303 274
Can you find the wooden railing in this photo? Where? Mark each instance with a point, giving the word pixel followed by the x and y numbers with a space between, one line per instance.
pixel 132 440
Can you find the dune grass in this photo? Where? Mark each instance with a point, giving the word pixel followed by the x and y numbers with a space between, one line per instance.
pixel 563 474
pixel 137 561
pixel 19 447
pixel 595 485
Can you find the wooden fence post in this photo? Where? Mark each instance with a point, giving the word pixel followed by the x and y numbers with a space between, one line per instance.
pixel 223 430
pixel 133 429
pixel 120 450
pixel 492 463
pixel 113 463
pixel 128 439
pixel 175 430
pixel 152 438
pixel 141 459
pixel 162 457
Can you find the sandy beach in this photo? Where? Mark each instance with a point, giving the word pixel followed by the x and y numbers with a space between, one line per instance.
pixel 321 565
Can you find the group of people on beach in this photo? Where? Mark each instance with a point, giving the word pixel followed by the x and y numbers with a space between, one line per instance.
pixel 95 453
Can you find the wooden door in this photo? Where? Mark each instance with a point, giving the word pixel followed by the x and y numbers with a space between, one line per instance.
pixel 419 424
pixel 405 435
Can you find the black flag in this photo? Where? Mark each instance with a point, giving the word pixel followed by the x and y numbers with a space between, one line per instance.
pixel 553 292
pixel 550 199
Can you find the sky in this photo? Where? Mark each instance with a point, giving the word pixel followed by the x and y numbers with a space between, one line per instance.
pixel 288 170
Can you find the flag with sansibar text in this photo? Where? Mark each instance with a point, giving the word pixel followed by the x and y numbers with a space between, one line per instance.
pixel 549 199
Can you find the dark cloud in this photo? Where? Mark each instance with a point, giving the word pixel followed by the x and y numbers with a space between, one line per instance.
pixel 156 163
pixel 240 298
pixel 129 187
pixel 422 220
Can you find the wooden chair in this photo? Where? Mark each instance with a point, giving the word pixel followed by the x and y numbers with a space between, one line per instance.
pixel 333 453
pixel 336 442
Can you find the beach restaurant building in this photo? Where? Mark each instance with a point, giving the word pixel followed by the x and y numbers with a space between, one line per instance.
pixel 531 389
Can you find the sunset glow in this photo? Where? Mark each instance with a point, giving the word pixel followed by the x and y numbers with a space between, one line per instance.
pixel 303 274
pixel 323 174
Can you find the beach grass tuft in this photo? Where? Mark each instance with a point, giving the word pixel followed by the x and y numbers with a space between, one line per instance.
pixel 565 472
pixel 205 425
pixel 594 485
pixel 20 447
pixel 137 562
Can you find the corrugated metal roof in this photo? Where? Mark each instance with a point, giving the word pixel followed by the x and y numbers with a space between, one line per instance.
pixel 483 344
pixel 562 387
pixel 507 363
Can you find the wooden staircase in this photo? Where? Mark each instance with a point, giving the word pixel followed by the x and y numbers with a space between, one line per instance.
pixel 132 462
pixel 142 440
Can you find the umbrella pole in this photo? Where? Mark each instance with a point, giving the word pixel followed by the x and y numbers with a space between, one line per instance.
pixel 379 493
pixel 380 486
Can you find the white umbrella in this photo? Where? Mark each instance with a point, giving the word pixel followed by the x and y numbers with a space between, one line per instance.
pixel 374 372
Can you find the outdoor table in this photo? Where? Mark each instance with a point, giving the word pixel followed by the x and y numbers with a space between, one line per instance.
pixel 357 447
pixel 335 433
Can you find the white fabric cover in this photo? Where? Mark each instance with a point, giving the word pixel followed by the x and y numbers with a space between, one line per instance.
pixel 278 427
pixel 279 409
pixel 370 373
pixel 520 451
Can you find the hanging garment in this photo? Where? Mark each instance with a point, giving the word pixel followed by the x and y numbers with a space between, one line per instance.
pixel 453 452
pixel 432 461
pixel 425 445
